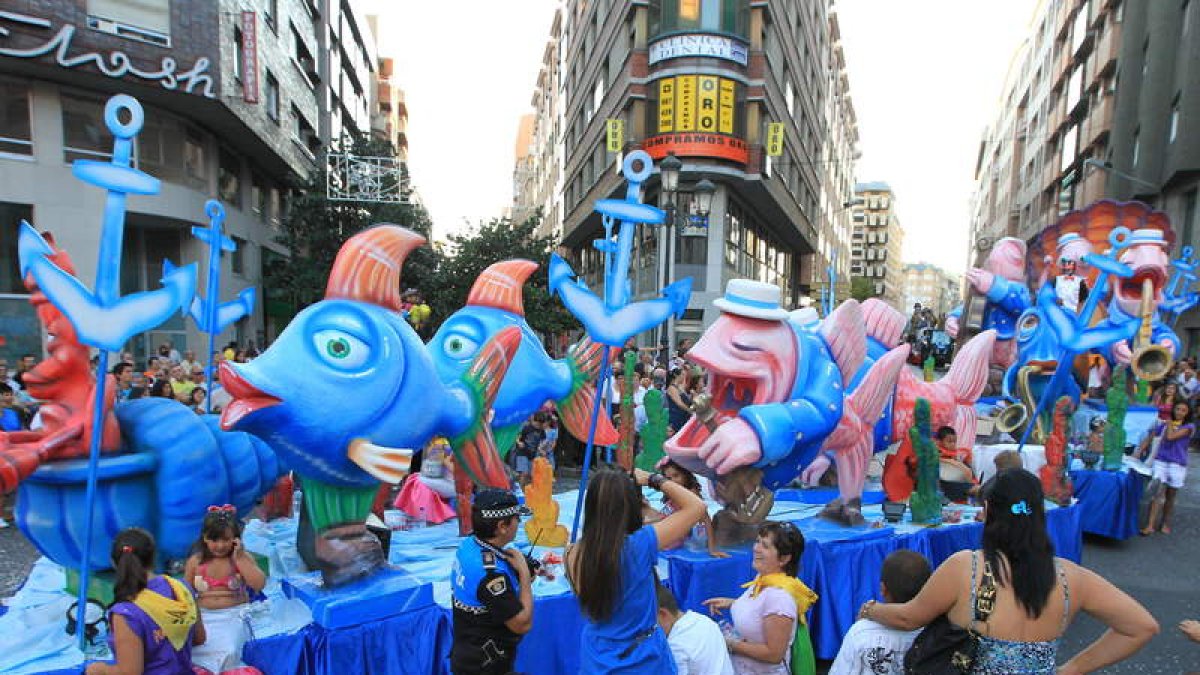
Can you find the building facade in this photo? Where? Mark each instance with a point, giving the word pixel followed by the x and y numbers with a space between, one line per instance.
pixel 703 81
pixel 390 121
pixel 932 287
pixel 232 112
pixel 537 167
pixel 877 243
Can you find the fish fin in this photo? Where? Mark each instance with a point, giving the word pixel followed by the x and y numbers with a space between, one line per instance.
pixel 475 448
pixel 968 373
pixel 865 404
pixel 505 437
pixel 883 322
pixel 368 266
pixel 389 465
pixel 846 334
pixel 576 407
pixel 501 286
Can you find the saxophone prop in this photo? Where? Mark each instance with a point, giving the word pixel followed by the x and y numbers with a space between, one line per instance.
pixel 1149 362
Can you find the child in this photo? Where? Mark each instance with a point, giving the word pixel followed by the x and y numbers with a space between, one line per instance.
pixel 546 448
pixel 196 400
pixel 153 619
pixel 222 573
pixel 531 436
pixel 1170 465
pixel 947 442
pixel 10 419
pixel 695 640
pixel 870 647
pixel 703 529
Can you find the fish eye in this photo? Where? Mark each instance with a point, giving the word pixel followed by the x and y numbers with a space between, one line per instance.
pixel 459 345
pixel 1029 324
pixel 341 349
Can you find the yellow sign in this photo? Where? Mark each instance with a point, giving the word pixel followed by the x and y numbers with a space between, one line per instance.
pixel 685 112
pixel 728 99
pixel 775 139
pixel 666 105
pixel 616 135
pixel 706 112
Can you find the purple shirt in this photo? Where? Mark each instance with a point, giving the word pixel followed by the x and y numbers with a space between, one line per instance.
pixel 1175 451
pixel 160 657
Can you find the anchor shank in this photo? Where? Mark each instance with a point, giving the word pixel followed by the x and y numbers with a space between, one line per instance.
pixel 108 286
pixel 616 293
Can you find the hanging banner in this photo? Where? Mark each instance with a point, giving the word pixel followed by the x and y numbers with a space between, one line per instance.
pixel 706 103
pixel 728 100
pixel 685 111
pixel 775 139
pixel 698 145
pixel 666 105
pixel 716 46
pixel 616 135
pixel 249 58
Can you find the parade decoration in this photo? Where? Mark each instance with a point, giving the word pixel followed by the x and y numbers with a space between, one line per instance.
pixel 629 383
pixel 1114 433
pixel 543 526
pixel 211 315
pixel 1056 482
pixel 348 391
pixel 654 431
pixel 494 304
pixel 614 319
pixel 925 504
pixel 927 369
pixel 1001 282
pixel 1177 298
pixel 102 318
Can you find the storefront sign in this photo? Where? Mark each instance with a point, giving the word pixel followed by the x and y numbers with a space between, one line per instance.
pixel 696 103
pixel 698 145
pixel 666 105
pixel 717 46
pixel 249 58
pixel 685 111
pixel 115 64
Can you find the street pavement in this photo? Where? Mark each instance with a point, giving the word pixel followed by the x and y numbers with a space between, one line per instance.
pixel 1160 571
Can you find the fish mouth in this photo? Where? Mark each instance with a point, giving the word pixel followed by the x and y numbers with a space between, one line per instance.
pixel 1043 365
pixel 247 399
pixel 1130 290
pixel 726 395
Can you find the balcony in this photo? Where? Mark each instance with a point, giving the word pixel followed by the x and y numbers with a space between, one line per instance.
pixel 1107 49
pixel 1092 188
pixel 1099 121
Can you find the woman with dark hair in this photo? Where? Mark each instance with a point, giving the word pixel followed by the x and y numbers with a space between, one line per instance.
pixel 765 617
pixel 679 399
pixel 1170 465
pixel 1165 399
pixel 162 389
pixel 611 570
pixel 1036 595
pixel 153 619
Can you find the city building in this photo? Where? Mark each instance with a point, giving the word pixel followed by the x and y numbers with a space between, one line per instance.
pixel 877 242
pixel 703 81
pixel 237 102
pixel 931 286
pixel 537 169
pixel 1096 105
pixel 390 121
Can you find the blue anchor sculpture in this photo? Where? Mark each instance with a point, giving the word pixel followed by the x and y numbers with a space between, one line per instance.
pixel 613 320
pixel 211 316
pixel 1072 331
pixel 1177 299
pixel 104 319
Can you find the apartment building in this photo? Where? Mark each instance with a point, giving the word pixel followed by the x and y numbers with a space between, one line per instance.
pixel 877 243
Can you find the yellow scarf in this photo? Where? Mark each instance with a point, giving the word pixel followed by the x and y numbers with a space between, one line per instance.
pixel 174 617
pixel 803 595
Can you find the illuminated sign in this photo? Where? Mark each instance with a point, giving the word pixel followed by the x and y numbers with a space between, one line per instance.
pixel 716 46
pixel 697 103
pixel 115 64
pixel 698 145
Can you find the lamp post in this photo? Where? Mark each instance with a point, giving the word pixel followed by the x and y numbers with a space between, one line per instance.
pixel 670 168
pixel 1109 168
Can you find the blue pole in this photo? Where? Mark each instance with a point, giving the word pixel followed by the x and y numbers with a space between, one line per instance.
pixel 605 375
pixel 90 497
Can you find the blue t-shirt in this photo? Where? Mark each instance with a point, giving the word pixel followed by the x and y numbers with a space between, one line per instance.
pixel 630 641
pixel 10 420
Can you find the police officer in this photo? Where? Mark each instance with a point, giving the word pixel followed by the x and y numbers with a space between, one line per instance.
pixel 493 594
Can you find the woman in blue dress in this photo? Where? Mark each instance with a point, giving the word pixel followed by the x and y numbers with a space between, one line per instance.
pixel 612 571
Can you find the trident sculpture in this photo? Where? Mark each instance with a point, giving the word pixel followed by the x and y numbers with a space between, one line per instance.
pixel 1177 299
pixel 614 319
pixel 103 319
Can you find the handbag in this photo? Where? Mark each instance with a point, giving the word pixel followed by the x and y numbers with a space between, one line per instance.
pixel 943 648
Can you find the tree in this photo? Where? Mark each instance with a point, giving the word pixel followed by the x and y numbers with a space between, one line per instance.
pixel 315 227
pixel 862 288
pixel 496 240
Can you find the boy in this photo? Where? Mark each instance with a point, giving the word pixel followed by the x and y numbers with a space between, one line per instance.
pixel 10 420
pixel 874 649
pixel 695 640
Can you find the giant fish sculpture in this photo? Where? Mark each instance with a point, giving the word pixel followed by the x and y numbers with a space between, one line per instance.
pixel 347 393
pixel 1146 255
pixel 778 388
pixel 952 403
pixel 494 304
pixel 1001 281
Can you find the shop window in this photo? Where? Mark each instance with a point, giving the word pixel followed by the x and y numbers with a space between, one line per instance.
pixel 229 178
pixel 15 133
pixel 710 16
pixel 194 161
pixel 237 259
pixel 260 197
pixel 85 135
pixel 10 275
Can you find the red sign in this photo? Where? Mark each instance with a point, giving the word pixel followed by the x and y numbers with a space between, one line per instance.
pixel 689 144
pixel 249 58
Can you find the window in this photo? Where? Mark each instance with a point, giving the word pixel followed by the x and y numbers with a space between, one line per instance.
pixel 85 135
pixel 304 58
pixel 1146 56
pixel 237 259
pixel 239 64
pixel 1189 217
pixel 272 97
pixel 1174 125
pixel 10 275
pixel 260 196
pixel 271 12
pixel 194 162
pixel 1136 146
pixel 712 16
pixel 141 20
pixel 15 134
pixel 229 178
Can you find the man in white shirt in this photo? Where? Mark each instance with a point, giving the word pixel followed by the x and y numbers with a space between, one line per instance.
pixel 696 641
pixel 871 648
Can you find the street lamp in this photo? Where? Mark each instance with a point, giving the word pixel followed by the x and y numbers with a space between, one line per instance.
pixel 669 170
pixel 704 192
pixel 1093 163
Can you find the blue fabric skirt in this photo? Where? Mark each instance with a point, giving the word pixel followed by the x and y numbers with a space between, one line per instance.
pixel 651 655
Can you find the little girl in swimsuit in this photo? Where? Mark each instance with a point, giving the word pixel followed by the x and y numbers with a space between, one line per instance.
pixel 223 574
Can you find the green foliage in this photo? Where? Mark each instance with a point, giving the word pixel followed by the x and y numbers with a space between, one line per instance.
pixel 861 288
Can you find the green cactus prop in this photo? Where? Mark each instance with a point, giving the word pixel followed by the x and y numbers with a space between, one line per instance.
pixel 1142 392
pixel 926 501
pixel 654 431
pixel 927 369
pixel 629 384
pixel 1114 433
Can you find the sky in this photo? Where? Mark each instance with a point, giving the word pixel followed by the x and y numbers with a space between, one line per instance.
pixel 925 75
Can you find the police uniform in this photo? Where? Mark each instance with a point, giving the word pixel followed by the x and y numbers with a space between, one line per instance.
pixel 486 594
